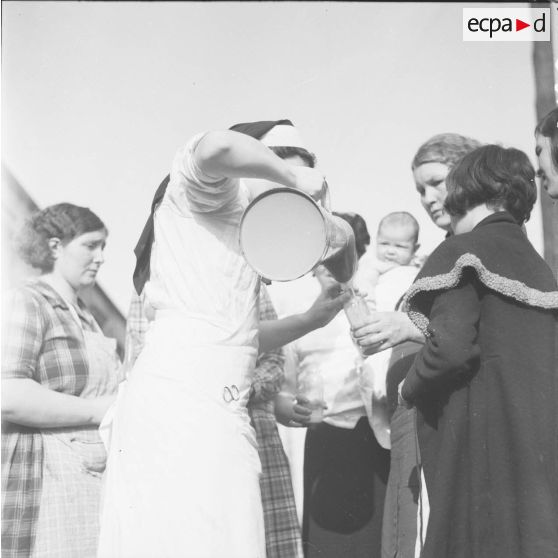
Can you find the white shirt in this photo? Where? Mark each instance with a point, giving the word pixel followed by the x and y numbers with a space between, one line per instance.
pixel 197 269
pixel 391 286
pixel 329 351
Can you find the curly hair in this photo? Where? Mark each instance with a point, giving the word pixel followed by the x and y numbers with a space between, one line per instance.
pixel 64 221
pixel 498 177
pixel 358 224
pixel 447 149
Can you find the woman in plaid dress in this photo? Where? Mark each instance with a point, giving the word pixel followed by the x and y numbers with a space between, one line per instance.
pixel 59 376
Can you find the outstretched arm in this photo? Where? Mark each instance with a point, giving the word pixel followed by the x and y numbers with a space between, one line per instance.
pixel 276 333
pixel 227 154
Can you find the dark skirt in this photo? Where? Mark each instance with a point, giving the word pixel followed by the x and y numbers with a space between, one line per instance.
pixel 400 512
pixel 345 477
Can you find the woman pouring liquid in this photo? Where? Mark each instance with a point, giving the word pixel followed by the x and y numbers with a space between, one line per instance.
pixel 183 470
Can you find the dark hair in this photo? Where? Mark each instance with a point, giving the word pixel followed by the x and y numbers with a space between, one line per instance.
pixel 401 218
pixel 444 148
pixel 499 177
pixel 286 151
pixel 358 224
pixel 64 221
pixel 548 127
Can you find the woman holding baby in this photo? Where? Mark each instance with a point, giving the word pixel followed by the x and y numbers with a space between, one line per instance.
pixel 484 383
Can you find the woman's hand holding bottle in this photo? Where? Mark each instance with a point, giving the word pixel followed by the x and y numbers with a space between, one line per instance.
pixel 385 330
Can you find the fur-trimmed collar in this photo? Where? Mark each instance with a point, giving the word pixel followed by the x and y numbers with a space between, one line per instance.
pixel 501 256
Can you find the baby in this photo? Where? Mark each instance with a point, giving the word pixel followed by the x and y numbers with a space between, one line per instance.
pixel 386 276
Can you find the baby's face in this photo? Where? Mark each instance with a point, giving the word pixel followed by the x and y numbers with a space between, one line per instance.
pixel 396 244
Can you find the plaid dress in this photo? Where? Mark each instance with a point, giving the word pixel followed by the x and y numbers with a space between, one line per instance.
pixel 41 341
pixel 282 530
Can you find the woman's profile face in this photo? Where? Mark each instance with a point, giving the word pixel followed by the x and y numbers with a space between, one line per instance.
pixel 430 182
pixel 548 173
pixel 78 262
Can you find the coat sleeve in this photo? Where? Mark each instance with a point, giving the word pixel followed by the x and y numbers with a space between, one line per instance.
pixel 451 349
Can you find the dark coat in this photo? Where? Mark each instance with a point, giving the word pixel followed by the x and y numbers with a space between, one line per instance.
pixel 485 388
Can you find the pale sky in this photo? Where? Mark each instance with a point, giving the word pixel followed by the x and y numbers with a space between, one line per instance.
pixel 98 96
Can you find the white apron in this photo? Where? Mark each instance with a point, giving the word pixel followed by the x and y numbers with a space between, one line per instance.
pixel 182 476
pixel 73 463
pixel 183 471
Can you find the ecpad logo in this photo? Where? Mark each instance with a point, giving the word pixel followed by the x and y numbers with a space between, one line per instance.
pixel 506 24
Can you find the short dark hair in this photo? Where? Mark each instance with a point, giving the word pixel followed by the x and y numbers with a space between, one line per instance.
pixel 64 221
pixel 401 218
pixel 287 151
pixel 358 224
pixel 548 127
pixel 444 148
pixel 499 177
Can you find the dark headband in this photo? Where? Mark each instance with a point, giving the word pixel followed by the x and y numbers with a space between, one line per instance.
pixel 143 247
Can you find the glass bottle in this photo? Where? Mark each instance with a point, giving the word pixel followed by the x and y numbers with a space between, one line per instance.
pixel 357 309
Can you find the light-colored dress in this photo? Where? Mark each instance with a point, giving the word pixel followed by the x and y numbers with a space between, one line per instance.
pixel 182 477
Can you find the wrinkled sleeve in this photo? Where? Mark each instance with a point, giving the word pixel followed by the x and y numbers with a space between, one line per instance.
pixel 269 373
pixel 22 335
pixel 451 348
pixel 201 193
